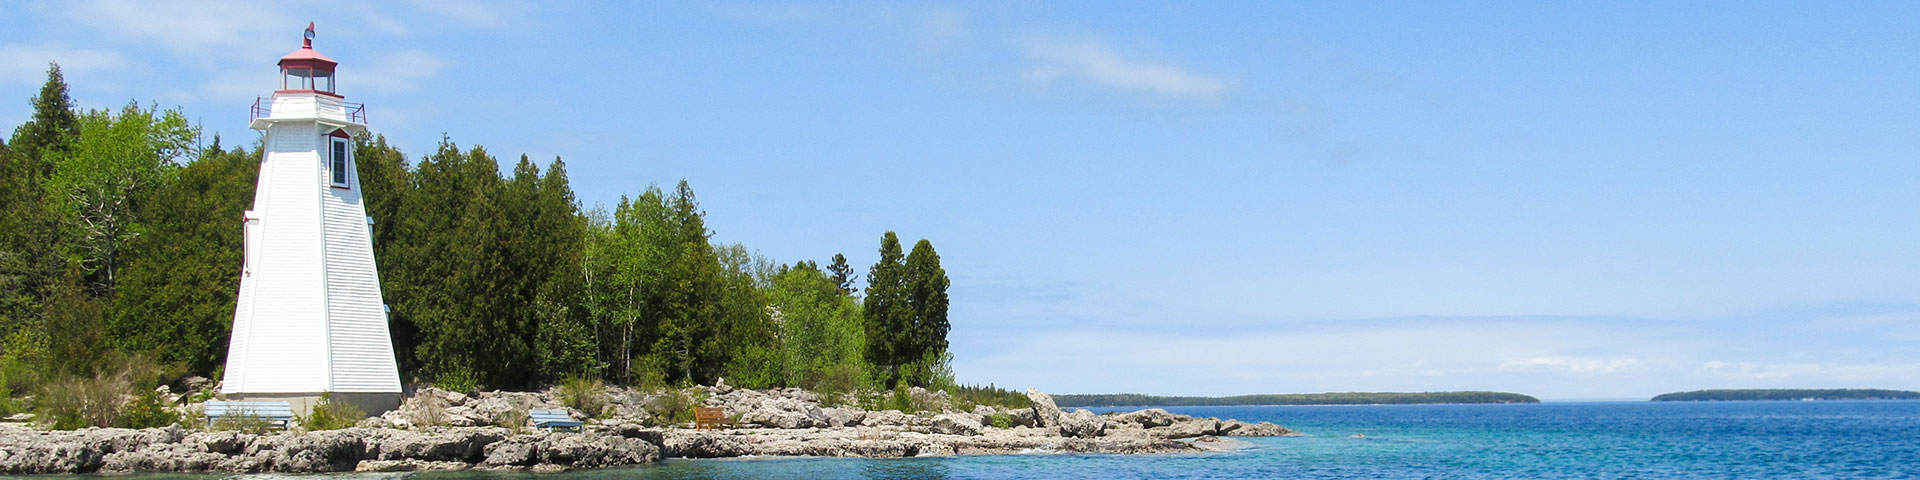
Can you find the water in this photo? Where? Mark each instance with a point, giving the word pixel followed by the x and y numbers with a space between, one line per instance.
pixel 1742 440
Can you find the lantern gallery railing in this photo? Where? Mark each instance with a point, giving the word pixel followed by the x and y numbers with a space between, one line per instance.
pixel 354 112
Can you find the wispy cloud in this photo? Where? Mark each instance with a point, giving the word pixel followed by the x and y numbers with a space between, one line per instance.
pixel 27 64
pixel 1054 62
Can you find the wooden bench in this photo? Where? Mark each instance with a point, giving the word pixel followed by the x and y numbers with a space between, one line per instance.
pixel 709 417
pixel 275 413
pixel 553 420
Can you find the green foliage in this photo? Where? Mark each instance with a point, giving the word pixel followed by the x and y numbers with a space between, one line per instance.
pixel 584 394
pixel 331 414
pixel 514 419
pixel 74 402
pixel 460 380
pixel 1788 394
pixel 1001 420
pixel 147 410
pixel 886 314
pixel 823 338
pixel 902 399
pixel 672 407
pixel 98 187
pixel 245 422
pixel 988 395
pixel 906 314
pixel 1344 398
pixel 176 296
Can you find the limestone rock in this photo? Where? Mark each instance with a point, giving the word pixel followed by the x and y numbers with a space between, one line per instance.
pixel 844 416
pixel 1082 424
pixel 1046 413
pixel 1262 429
pixel 1149 418
pixel 956 424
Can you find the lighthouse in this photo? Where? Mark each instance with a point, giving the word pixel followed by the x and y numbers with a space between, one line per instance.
pixel 310 319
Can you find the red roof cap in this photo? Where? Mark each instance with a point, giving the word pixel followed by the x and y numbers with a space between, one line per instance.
pixel 306 56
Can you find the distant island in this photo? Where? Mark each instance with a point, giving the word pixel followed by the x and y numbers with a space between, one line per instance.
pixel 1788 394
pixel 1340 398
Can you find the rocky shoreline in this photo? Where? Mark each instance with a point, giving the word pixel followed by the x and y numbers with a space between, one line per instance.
pixel 439 430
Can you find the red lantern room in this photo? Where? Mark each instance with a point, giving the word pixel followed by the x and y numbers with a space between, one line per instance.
pixel 307 71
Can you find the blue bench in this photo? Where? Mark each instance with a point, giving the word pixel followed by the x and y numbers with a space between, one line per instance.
pixel 553 420
pixel 275 413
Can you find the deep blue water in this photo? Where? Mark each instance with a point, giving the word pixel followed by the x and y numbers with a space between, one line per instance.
pixel 1734 440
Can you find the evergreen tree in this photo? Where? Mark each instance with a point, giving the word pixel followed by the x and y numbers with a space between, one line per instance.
pixel 30 264
pixel 886 312
pixel 176 298
pixel 843 275
pixel 925 340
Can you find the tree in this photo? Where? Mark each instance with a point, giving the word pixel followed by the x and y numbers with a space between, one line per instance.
pixel 30 264
pixel 886 311
pixel 822 337
pixel 176 298
pixel 926 298
pixel 843 275
pixel 97 186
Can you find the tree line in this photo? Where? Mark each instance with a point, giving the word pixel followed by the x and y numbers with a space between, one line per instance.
pixel 120 239
pixel 1791 394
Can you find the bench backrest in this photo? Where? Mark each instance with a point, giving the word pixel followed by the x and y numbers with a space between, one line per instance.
pixel 709 414
pixel 548 416
pixel 278 410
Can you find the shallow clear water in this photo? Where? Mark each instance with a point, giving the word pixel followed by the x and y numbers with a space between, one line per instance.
pixel 1741 440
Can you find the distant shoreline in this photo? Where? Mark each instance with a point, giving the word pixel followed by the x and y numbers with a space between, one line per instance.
pixel 1789 394
pixel 1334 398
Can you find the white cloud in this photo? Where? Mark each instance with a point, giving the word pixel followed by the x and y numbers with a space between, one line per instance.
pixel 27 64
pixel 1055 61
pixel 205 31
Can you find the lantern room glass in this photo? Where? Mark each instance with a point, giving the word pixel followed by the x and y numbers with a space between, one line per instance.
pixel 304 78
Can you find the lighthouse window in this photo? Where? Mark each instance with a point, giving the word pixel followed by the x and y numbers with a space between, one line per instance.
pixel 339 162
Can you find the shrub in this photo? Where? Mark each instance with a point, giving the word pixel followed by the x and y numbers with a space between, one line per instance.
pixel 902 399
pixel 838 380
pixel 462 380
pixel 330 414
pixel 585 394
pixel 1002 420
pixel 147 410
pixel 514 419
pixel 428 410
pixel 673 407
pixel 75 402
pixel 245 422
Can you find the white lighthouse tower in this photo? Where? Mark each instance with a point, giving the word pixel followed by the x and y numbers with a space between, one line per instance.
pixel 310 319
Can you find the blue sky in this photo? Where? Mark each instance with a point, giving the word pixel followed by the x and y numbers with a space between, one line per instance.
pixel 1571 200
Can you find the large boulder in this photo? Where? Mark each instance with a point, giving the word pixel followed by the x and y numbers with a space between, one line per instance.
pixel 1082 424
pixel 1045 412
pixel 705 445
pixel 1262 429
pixel 782 412
pixel 1149 418
pixel 956 424
pixel 844 416
pixel 1023 417
pixel 1189 428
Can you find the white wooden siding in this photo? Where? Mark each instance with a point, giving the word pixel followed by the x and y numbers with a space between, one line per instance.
pixel 310 317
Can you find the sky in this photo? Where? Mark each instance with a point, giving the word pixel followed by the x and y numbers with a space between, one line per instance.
pixel 1574 200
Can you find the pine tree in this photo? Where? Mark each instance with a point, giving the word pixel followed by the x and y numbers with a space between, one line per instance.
pixel 843 275
pixel 926 299
pixel 30 264
pixel 886 312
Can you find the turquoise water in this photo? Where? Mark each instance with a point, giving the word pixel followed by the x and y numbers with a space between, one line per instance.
pixel 1741 440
